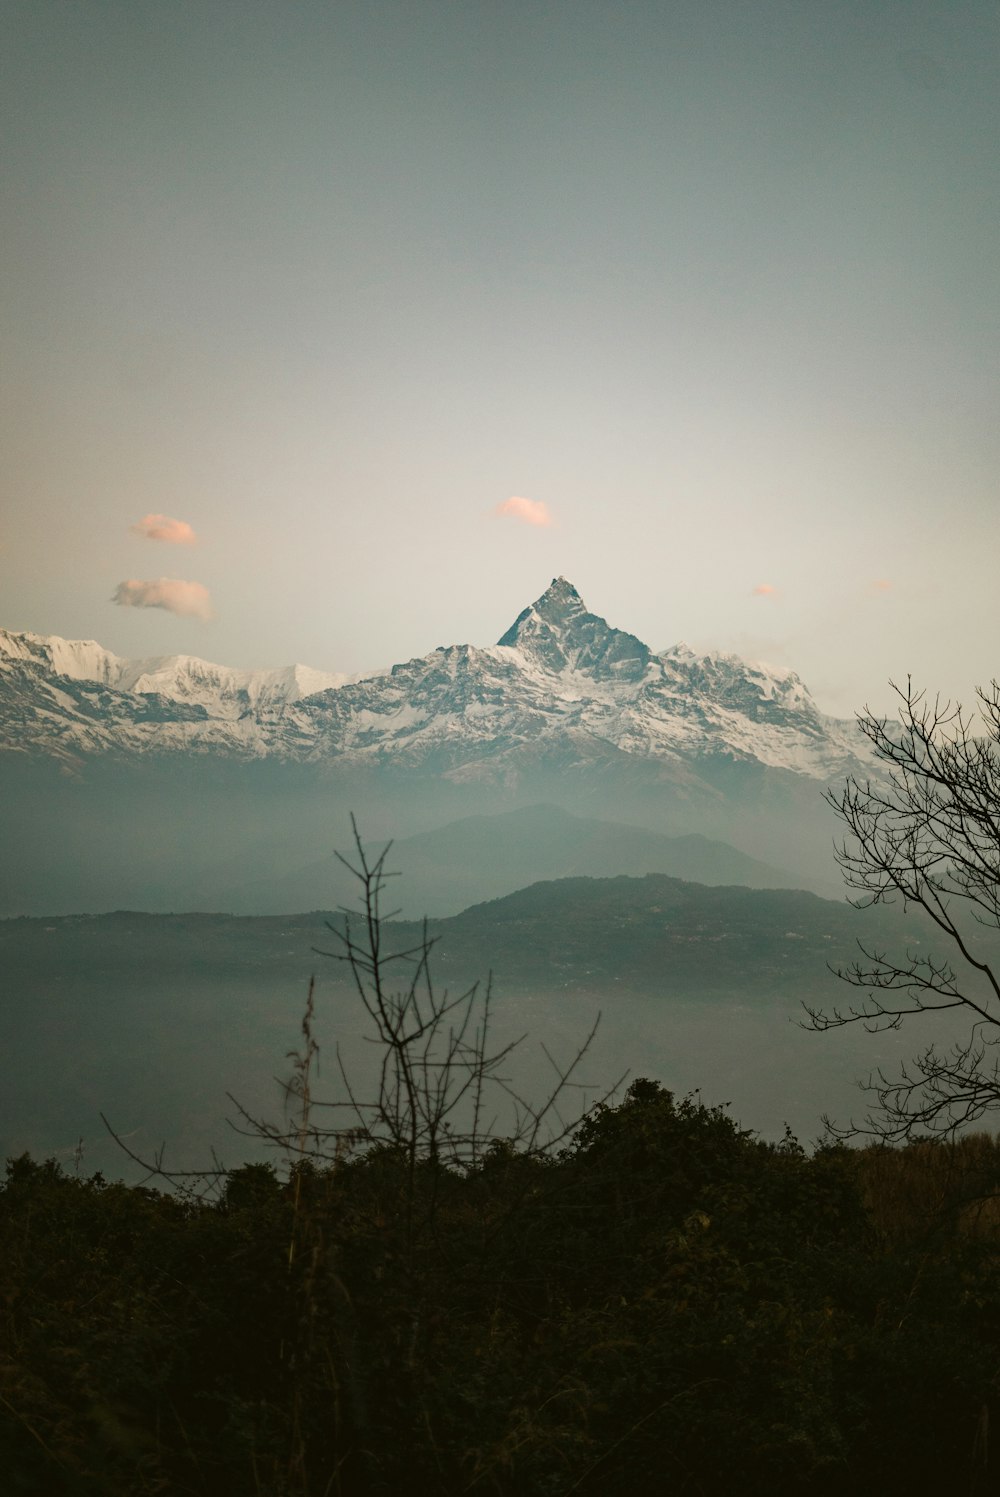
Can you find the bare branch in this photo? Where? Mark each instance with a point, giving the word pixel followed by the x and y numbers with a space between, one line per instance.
pixel 927 834
pixel 439 1097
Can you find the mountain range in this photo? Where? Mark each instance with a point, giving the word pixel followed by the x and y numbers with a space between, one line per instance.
pixel 561 683
pixel 172 783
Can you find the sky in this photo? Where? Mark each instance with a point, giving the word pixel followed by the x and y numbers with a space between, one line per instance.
pixel 333 331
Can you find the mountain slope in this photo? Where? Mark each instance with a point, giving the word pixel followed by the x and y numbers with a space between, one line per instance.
pixel 484 857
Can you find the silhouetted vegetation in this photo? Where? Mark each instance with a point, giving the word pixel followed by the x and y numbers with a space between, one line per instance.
pixel 647 1298
pixel 667 1303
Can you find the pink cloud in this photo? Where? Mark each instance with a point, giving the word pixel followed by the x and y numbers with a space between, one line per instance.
pixel 531 511
pixel 765 590
pixel 190 599
pixel 163 528
pixel 882 585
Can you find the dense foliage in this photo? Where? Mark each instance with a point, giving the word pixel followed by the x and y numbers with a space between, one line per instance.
pixel 667 1304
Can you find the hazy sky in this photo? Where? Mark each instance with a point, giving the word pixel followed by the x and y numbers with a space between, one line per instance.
pixel 712 288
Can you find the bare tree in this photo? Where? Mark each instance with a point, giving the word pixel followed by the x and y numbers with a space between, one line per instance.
pixel 440 1094
pixel 926 835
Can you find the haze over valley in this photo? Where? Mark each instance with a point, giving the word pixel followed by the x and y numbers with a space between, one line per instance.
pixel 155 1020
pixel 176 785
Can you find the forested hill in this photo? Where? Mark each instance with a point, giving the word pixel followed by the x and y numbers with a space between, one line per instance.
pixel 654 934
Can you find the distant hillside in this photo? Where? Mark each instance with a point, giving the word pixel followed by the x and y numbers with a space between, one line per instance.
pixel 655 934
pixel 660 936
pixel 483 857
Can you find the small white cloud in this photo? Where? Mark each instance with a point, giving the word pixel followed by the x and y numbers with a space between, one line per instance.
pixel 765 590
pixel 163 528
pixel 531 511
pixel 189 599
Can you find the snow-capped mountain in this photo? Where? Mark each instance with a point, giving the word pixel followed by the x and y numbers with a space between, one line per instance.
pixel 70 699
pixel 182 678
pixel 561 686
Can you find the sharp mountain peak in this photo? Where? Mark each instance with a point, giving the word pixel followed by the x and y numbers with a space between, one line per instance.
pixel 560 633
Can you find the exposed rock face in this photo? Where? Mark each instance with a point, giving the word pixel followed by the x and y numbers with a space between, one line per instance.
pixel 560 635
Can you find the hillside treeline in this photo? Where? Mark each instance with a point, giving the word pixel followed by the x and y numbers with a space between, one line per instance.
pixel 668 1304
